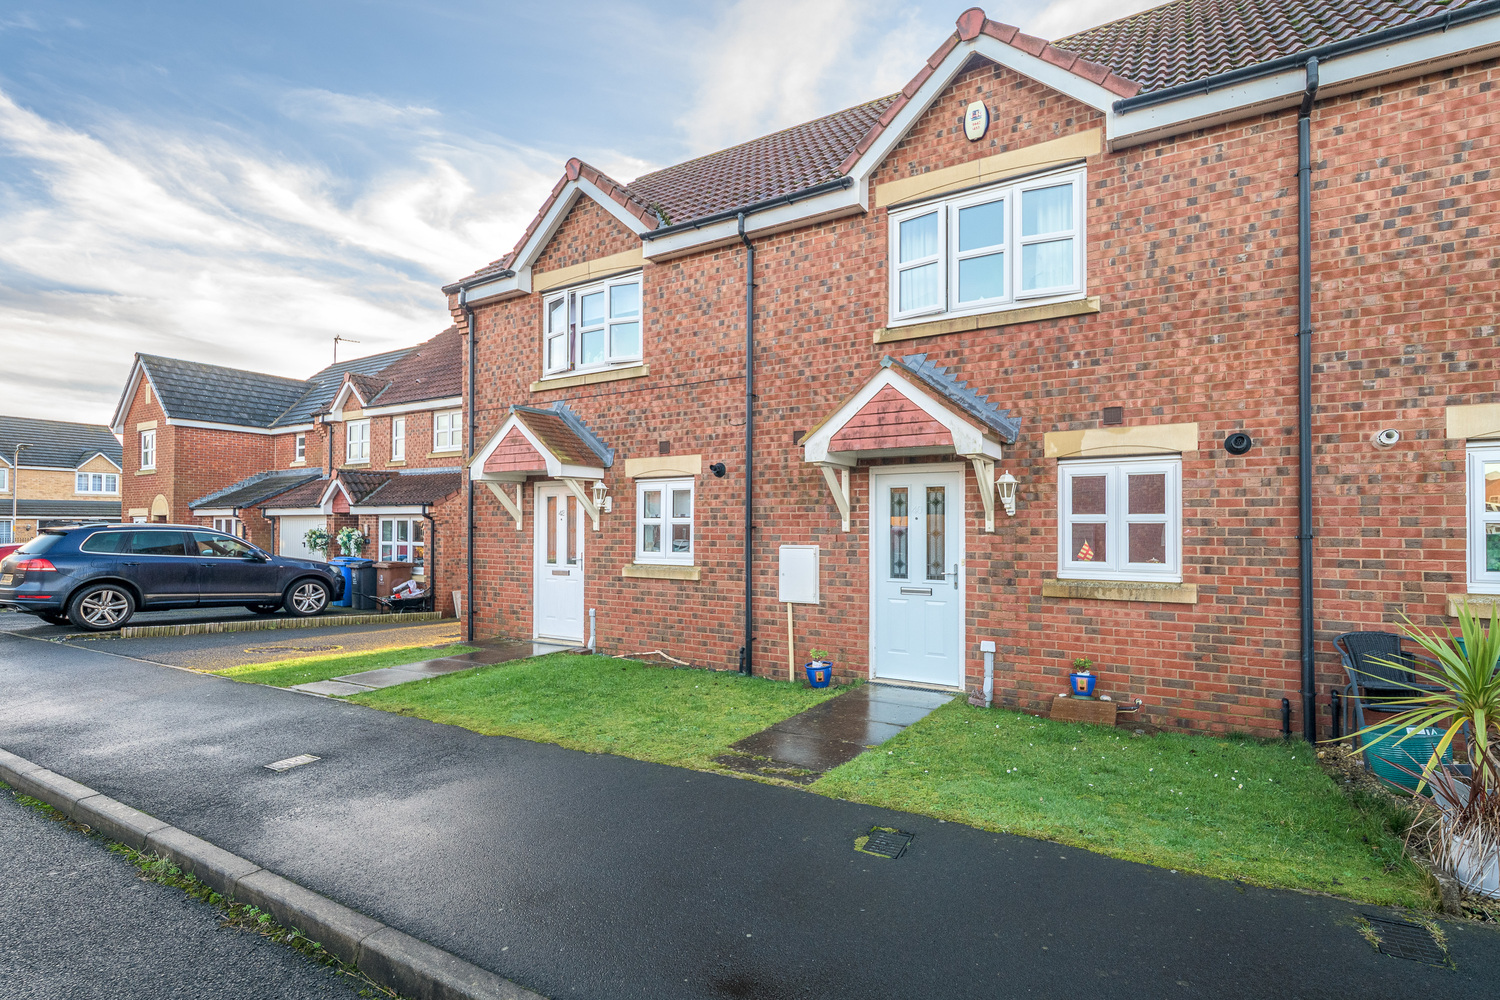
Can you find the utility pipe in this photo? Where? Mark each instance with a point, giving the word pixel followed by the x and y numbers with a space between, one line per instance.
pixel 463 303
pixel 1304 401
pixel 746 655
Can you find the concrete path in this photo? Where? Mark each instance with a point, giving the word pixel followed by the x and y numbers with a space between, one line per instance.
pixel 79 924
pixel 811 743
pixel 370 680
pixel 591 876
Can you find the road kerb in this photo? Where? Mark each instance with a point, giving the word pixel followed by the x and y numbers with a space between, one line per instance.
pixel 387 956
pixel 268 624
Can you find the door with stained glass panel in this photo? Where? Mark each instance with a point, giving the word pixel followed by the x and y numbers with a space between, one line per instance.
pixel 918 579
pixel 559 564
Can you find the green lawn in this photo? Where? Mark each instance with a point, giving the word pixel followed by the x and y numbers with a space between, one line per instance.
pixel 1259 811
pixel 306 669
pixel 603 705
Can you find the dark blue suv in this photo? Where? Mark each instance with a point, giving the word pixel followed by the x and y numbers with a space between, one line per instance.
pixel 97 576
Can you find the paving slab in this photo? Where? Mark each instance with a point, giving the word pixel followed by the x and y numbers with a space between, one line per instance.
pixel 384 677
pixel 331 689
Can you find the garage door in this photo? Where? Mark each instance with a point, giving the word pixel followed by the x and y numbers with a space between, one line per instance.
pixel 292 531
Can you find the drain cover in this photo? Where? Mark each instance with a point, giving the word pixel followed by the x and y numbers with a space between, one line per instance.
pixel 884 843
pixel 291 762
pixel 1403 939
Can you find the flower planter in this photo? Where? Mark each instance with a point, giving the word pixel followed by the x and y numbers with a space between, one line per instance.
pixel 1082 684
pixel 1474 871
pixel 1387 760
pixel 819 673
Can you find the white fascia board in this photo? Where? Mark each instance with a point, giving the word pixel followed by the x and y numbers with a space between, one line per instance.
pixel 97 454
pixel 45 468
pixel 212 426
pixel 326 500
pixel 342 397
pixel 297 511
pixel 500 289
pixel 403 509
pixel 476 464
pixel 214 511
pixel 446 403
pixel 847 201
pixel 122 408
pixel 1417 56
pixel 544 232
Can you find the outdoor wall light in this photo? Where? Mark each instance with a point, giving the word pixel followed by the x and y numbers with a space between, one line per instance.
pixel 1006 486
pixel 602 500
pixel 718 469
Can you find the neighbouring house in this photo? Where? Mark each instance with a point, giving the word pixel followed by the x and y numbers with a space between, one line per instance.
pixel 271 458
pixel 1026 373
pixel 55 472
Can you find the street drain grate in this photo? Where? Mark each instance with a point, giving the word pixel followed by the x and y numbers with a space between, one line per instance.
pixel 1403 939
pixel 291 762
pixel 884 843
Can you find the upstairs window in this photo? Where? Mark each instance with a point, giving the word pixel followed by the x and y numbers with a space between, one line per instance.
pixel 148 450
pixel 1003 247
pixel 96 482
pixel 301 448
pixel 448 430
pixel 398 439
pixel 1120 519
pixel 592 327
pixel 357 441
pixel 4 480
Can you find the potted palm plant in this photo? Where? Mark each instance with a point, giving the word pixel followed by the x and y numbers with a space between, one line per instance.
pixel 1455 690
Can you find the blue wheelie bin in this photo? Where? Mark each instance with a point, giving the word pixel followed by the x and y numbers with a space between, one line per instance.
pixel 346 566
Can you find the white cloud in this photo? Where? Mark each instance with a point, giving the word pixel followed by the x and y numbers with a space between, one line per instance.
pixel 130 239
pixel 1064 17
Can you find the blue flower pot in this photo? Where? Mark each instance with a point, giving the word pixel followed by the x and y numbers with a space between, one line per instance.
pixel 1392 762
pixel 1083 684
pixel 819 673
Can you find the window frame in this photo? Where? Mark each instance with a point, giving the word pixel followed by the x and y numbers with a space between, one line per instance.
pixel 7 531
pixel 572 332
pixel 299 448
pixel 1480 580
pixel 230 526
pixel 1116 519
pixel 1012 193
pixel 88 482
pixel 350 442
pixel 414 546
pixel 398 439
pixel 666 520
pixel 455 430
pixel 148 449
pixel 4 479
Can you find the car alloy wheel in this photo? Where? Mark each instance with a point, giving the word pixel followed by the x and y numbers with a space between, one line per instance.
pixel 309 598
pixel 104 608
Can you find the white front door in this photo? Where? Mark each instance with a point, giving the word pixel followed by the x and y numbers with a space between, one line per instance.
pixel 918 583
pixel 292 530
pixel 559 564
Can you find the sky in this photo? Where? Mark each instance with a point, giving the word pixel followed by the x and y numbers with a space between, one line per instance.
pixel 240 183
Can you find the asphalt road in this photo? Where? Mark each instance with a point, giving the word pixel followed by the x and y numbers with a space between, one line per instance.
pixel 591 876
pixel 78 924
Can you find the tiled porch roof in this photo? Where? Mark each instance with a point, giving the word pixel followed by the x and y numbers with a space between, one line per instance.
pixel 254 490
pixel 944 383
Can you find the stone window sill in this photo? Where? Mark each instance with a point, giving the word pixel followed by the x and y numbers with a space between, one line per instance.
pixel 989 321
pixel 145 472
pixel 654 571
pixel 355 465
pixel 445 453
pixel 1122 590
pixel 1483 605
pixel 590 378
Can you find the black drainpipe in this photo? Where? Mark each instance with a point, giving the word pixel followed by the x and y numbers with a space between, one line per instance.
pixel 463 302
pixel 745 654
pixel 1304 400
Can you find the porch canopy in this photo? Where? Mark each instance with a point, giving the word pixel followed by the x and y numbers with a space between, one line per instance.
pixel 911 407
pixel 552 442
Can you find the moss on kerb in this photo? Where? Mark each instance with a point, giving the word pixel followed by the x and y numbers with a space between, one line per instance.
pixel 267 624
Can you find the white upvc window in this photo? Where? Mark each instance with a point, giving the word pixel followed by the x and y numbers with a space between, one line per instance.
pixel 1484 519
pixel 299 446
pixel 357 441
pixel 96 482
pixel 398 439
pixel 1120 519
pixel 7 532
pixel 4 480
pixel 1003 247
pixel 148 449
pixel 592 326
pixel 448 430
pixel 230 526
pixel 401 540
pixel 664 521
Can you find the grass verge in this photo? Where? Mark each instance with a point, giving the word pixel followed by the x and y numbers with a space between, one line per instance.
pixel 162 871
pixel 1257 811
pixel 684 717
pixel 306 669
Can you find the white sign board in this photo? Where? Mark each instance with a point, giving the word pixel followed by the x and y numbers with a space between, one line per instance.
pixel 799 574
pixel 976 121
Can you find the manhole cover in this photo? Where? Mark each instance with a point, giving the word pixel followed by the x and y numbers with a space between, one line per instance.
pixel 884 843
pixel 1403 939
pixel 291 762
pixel 291 649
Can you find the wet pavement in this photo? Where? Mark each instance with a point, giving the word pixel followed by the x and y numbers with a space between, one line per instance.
pixel 369 680
pixel 806 746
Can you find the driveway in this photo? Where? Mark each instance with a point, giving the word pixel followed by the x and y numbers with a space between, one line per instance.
pixel 593 876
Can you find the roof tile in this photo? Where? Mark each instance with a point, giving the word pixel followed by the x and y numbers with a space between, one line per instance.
pixel 56 443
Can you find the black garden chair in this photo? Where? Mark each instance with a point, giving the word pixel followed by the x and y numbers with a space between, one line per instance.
pixel 1379 671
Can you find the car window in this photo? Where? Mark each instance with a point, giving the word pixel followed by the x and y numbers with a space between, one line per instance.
pixel 221 546
pixel 39 544
pixel 157 543
pixel 106 541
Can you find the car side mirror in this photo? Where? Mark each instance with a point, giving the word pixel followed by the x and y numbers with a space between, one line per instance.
pixel 259 556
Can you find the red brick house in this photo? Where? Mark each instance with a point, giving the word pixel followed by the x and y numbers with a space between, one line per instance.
pixel 1075 270
pixel 374 443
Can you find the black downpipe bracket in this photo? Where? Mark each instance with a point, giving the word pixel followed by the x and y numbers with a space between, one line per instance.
pixel 1304 401
pixel 463 302
pixel 745 651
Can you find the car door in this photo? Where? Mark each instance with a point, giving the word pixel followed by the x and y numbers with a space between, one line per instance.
pixel 231 569
pixel 157 561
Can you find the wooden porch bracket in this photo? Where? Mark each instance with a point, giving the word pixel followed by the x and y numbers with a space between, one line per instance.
pixel 984 473
pixel 838 485
pixel 513 506
pixel 576 487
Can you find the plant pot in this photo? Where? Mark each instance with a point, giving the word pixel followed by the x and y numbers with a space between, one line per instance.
pixel 1082 684
pixel 1474 871
pixel 1387 759
pixel 819 673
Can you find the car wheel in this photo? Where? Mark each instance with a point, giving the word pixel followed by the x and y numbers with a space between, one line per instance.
pixel 306 597
pixel 101 608
pixel 263 609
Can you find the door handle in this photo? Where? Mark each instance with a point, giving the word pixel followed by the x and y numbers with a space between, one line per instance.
pixel 955 576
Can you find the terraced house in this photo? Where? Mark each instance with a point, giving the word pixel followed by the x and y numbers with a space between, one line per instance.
pixel 1170 344
pixel 55 472
pixel 374 443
